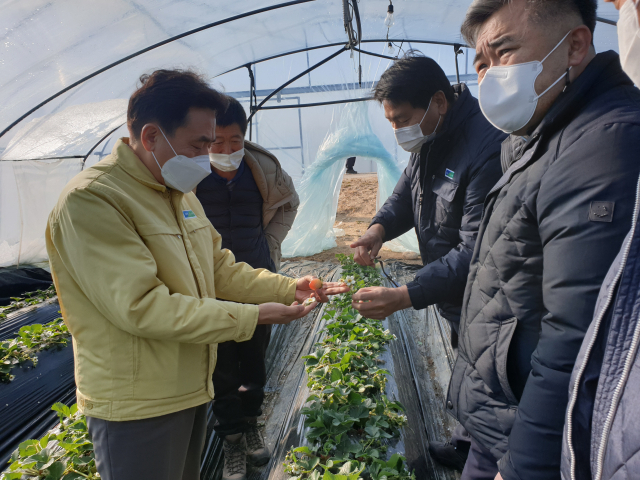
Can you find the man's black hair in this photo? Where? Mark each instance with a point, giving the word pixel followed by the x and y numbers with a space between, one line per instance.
pixel 234 114
pixel 540 11
pixel 414 78
pixel 166 96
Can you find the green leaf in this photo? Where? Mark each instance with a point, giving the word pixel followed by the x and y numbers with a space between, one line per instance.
pixel 336 375
pixel 55 471
pixel 61 408
pixel 11 476
pixel 27 447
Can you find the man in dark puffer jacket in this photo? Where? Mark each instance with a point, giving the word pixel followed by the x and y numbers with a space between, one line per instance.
pixel 602 429
pixel 251 202
pixel 550 229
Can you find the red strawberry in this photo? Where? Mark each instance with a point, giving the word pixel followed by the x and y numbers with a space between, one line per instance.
pixel 315 284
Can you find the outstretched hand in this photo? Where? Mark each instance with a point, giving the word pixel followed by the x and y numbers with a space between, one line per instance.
pixel 304 291
pixel 380 302
pixel 276 313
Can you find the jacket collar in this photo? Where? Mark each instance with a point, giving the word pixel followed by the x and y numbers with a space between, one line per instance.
pixel 459 112
pixel 601 75
pixel 126 159
pixel 258 175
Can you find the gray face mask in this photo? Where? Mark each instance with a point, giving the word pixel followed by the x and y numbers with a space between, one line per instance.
pixel 183 173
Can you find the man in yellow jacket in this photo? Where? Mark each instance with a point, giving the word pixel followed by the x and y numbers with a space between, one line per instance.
pixel 146 290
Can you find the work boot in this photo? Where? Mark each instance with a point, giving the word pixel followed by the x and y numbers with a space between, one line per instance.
pixel 448 455
pixel 351 170
pixel 235 457
pixel 257 452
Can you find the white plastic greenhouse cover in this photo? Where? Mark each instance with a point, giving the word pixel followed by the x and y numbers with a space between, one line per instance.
pixel 47 47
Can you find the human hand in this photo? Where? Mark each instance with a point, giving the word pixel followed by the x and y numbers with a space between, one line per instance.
pixel 304 291
pixel 380 302
pixel 276 313
pixel 368 245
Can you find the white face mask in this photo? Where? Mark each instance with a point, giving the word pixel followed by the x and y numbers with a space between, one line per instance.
pixel 629 40
pixel 411 138
pixel 227 162
pixel 183 173
pixel 508 96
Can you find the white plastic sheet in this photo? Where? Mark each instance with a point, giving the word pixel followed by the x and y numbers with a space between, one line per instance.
pixel 319 189
pixel 25 206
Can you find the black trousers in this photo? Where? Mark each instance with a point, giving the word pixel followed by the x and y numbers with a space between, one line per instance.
pixel 159 448
pixel 239 380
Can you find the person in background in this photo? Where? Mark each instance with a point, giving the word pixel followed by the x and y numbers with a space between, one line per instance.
pixel 146 289
pixel 551 226
pixel 602 427
pixel 351 162
pixel 251 202
pixel 455 160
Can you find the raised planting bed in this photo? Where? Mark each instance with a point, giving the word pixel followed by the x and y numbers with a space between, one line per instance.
pixel 418 361
pixel 348 418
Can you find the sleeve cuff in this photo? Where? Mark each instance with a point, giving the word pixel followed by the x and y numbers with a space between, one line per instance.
pixel 506 468
pixel 417 295
pixel 247 322
pixel 290 291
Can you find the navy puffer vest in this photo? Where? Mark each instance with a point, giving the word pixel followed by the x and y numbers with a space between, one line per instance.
pixel 235 211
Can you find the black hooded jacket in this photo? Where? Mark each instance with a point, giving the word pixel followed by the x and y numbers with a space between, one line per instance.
pixel 440 194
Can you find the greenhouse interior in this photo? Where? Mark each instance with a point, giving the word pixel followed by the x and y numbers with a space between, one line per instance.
pixel 304 71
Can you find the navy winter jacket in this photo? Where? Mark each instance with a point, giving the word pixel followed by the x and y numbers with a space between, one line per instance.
pixel 602 428
pixel 551 228
pixel 440 194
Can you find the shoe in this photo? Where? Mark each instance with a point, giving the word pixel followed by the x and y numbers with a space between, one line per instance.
pixel 351 171
pixel 235 457
pixel 257 452
pixel 446 454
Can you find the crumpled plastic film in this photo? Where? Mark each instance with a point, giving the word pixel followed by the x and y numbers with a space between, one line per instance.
pixel 319 189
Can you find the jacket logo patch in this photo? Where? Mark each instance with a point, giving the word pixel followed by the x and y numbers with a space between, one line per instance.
pixel 188 214
pixel 601 211
pixel 449 174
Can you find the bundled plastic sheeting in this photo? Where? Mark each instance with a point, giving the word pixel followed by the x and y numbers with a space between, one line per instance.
pixel 319 189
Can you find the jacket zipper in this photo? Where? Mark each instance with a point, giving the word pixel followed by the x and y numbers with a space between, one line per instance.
pixel 633 348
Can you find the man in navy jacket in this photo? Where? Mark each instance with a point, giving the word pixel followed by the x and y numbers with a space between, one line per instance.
pixel 454 163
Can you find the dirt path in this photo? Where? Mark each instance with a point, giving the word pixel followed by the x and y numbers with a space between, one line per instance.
pixel 356 208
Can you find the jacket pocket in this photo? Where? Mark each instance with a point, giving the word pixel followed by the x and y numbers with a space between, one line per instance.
pixel 505 334
pixel 444 209
pixel 193 224
pixel 445 189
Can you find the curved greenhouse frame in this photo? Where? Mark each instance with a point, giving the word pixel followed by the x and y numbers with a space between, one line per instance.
pixel 68 70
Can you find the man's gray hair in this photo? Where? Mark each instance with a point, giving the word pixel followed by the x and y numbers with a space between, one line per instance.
pixel 481 10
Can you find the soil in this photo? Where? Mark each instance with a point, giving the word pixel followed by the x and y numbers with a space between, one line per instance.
pixel 356 208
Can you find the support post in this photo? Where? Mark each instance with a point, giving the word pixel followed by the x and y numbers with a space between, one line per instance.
pixel 457 51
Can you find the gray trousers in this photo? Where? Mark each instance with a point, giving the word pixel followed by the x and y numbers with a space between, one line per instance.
pixel 160 448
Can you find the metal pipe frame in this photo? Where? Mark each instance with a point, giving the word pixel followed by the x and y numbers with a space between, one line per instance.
pixel 289 82
pixel 147 49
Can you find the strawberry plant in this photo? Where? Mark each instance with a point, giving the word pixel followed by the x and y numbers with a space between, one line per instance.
pixel 348 417
pixel 63 454
pixel 30 298
pixel 31 339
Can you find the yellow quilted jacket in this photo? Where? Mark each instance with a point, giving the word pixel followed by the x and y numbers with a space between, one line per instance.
pixel 142 281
